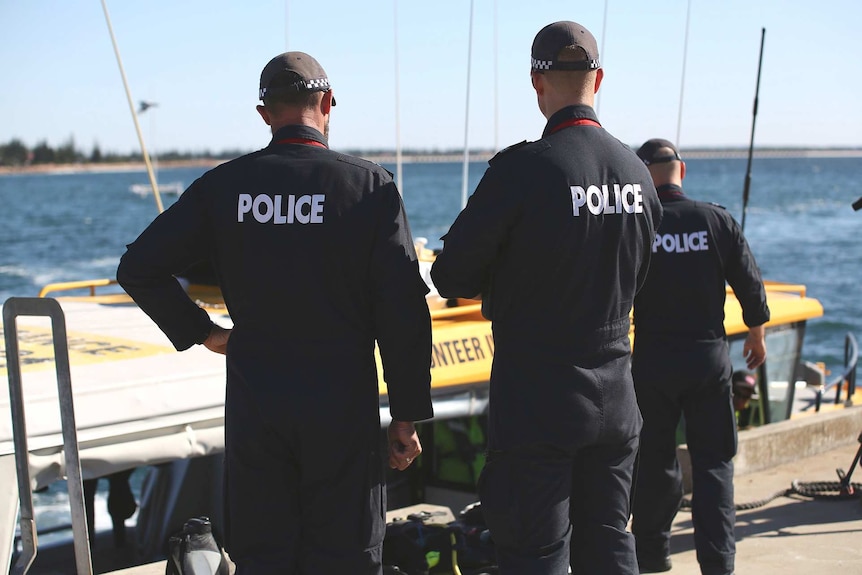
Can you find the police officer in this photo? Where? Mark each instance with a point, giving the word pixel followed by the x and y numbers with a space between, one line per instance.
pixel 315 258
pixel 556 241
pixel 681 366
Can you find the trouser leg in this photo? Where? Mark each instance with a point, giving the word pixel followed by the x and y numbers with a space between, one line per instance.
pixel 600 510
pixel 714 516
pixel 262 499
pixel 344 507
pixel 658 482
pixel 525 503
pixel 304 501
pixel 121 504
pixel 711 434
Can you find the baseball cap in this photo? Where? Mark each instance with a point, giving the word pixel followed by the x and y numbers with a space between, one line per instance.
pixel 306 72
pixel 744 385
pixel 655 152
pixel 744 389
pixel 554 37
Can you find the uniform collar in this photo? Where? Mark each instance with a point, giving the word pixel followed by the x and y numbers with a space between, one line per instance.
pixel 669 192
pixel 578 112
pixel 298 131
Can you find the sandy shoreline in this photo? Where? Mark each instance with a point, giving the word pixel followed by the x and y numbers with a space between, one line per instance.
pixel 106 167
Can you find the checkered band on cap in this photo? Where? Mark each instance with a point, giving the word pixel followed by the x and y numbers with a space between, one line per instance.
pixel 576 65
pixel 316 85
pixel 319 84
pixel 541 64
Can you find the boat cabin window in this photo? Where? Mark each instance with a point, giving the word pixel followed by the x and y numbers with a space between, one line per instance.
pixel 776 378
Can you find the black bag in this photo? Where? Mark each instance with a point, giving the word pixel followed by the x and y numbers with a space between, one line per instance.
pixel 474 548
pixel 417 547
pixel 194 551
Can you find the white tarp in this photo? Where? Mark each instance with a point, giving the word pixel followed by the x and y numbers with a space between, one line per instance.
pixel 137 400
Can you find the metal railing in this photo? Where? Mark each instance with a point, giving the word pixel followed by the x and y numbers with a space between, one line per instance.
pixel 83 284
pixel 44 307
pixel 848 375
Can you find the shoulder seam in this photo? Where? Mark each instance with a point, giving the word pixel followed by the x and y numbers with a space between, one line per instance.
pixel 361 163
pixel 356 161
pixel 534 147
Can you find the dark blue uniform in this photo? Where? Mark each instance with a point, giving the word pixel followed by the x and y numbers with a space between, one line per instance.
pixel 314 256
pixel 681 366
pixel 556 239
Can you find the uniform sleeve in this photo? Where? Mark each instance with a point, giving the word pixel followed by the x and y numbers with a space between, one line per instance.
pixel 463 267
pixel 402 319
pixel 743 275
pixel 176 239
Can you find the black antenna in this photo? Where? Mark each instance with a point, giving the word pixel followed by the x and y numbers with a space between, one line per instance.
pixel 751 144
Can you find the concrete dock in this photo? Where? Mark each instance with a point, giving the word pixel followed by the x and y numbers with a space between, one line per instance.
pixel 790 535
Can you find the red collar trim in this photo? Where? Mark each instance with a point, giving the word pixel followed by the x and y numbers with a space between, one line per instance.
pixel 575 122
pixel 306 141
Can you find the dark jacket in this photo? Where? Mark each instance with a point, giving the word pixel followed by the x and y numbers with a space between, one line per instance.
pixel 314 256
pixel 555 238
pixel 698 247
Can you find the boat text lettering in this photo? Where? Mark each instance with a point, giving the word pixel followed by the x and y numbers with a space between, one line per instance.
pixel 681 243
pixel 457 351
pixel 306 209
pixel 608 199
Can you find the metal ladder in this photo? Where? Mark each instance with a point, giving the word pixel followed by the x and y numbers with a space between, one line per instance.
pixel 44 307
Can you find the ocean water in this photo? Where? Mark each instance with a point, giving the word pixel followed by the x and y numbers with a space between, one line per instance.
pixel 799 223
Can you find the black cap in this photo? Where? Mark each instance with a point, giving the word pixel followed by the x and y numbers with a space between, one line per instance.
pixel 554 37
pixel 744 382
pixel 655 151
pixel 307 75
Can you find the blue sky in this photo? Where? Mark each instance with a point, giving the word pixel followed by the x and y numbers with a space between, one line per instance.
pixel 201 60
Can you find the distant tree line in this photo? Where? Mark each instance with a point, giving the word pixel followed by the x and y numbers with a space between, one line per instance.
pixel 16 153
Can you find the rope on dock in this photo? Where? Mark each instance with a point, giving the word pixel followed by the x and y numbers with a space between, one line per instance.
pixel 830 490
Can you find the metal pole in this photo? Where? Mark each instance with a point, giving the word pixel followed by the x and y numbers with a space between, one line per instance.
pixel 682 80
pixel 496 83
pixel 27 518
pixel 45 307
pixel 466 169
pixel 751 143
pixel 398 180
pixel 602 53
pixel 152 175
pixel 286 25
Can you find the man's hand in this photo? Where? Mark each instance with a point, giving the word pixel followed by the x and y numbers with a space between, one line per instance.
pixel 404 444
pixel 754 349
pixel 216 341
